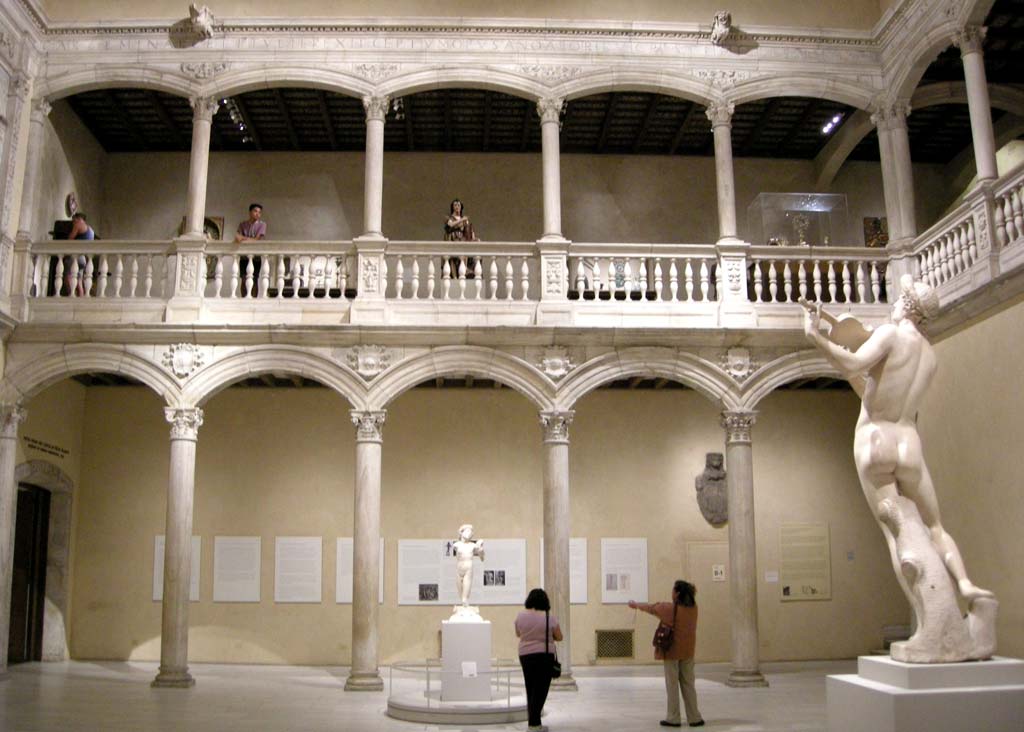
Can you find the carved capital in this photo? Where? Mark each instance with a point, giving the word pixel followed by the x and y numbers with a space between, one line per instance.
pixel 11 417
pixel 185 422
pixel 549 108
pixel 969 39
pixel 20 85
pixel 369 424
pixel 890 115
pixel 720 113
pixel 203 108
pixel 376 107
pixel 555 425
pixel 41 109
pixel 737 426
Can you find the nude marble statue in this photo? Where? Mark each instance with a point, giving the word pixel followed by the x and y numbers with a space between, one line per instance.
pixel 465 548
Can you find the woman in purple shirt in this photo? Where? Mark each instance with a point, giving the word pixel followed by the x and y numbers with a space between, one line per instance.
pixel 536 628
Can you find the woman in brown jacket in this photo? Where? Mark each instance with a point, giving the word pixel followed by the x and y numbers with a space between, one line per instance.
pixel 681 614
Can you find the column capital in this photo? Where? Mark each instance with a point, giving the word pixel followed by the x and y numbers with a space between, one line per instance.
pixel 185 422
pixel 555 425
pixel 737 425
pixel 376 107
pixel 369 424
pixel 890 115
pixel 720 113
pixel 11 417
pixel 41 109
pixel 969 39
pixel 549 109
pixel 20 85
pixel 203 108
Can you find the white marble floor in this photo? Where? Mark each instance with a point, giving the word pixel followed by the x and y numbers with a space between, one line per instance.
pixel 116 697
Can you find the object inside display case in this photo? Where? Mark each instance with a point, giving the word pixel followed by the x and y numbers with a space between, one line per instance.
pixel 797 219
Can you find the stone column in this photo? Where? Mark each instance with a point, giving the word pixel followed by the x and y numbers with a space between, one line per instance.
pixel 720 114
pixel 969 41
pixel 33 161
pixel 549 109
pixel 555 426
pixel 203 109
pixel 11 416
pixel 742 550
pixel 364 675
pixel 897 173
pixel 185 424
pixel 373 186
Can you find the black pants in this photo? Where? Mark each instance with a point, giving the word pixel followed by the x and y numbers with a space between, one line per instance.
pixel 537 675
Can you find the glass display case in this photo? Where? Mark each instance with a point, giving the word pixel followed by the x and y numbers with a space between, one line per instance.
pixel 798 219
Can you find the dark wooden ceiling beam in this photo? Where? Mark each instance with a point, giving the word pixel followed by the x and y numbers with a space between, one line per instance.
pixel 487 120
pixel 410 129
pixel 250 128
pixel 297 381
pixel 635 382
pixel 648 118
pixel 470 379
pixel 529 113
pixel 293 138
pixel 122 116
pixel 325 115
pixel 812 108
pixel 681 132
pixel 759 127
pixel 660 383
pixel 166 120
pixel 268 380
pixel 447 120
pixel 607 122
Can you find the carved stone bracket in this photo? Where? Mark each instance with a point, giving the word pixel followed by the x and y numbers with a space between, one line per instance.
pixel 183 359
pixel 376 107
pixel 11 417
pixel 185 422
pixel 721 27
pixel 368 361
pixel 556 362
pixel 205 70
pixel 369 424
pixel 203 108
pixel 737 426
pixel 200 20
pixel 970 39
pixel 555 425
pixel 720 113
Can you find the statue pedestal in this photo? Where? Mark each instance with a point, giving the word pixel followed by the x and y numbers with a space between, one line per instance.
pixel 891 696
pixel 465 660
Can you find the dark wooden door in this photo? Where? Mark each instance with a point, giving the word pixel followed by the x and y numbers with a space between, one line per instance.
pixel 28 581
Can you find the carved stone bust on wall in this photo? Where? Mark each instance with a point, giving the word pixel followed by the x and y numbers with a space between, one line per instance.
pixel 712 496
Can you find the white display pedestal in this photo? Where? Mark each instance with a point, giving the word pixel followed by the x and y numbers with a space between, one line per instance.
pixel 465 660
pixel 891 696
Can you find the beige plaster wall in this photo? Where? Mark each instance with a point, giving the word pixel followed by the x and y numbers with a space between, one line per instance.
pixel 971 423
pixel 853 14
pixel 604 198
pixel 280 462
pixel 72 160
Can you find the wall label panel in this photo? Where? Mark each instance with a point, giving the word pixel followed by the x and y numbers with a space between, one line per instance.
pixel 298 568
pixel 623 570
pixel 805 570
pixel 236 568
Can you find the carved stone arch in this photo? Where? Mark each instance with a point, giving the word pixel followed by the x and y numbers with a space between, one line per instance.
pixel 466 77
pixel 25 381
pixel 232 82
pixel 256 360
pixel 781 371
pixel 911 65
pixel 668 363
pixel 44 474
pixel 485 363
pixel 816 87
pixel 99 76
pixel 654 81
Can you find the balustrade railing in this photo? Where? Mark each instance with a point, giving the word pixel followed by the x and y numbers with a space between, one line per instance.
pixel 652 272
pixel 280 270
pixel 457 271
pixel 85 270
pixel 948 249
pixel 826 275
pixel 1008 210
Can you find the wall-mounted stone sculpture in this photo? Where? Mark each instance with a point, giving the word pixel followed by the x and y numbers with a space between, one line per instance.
pixel 712 495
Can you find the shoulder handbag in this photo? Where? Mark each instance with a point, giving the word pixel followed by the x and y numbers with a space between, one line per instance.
pixel 665 634
pixel 556 667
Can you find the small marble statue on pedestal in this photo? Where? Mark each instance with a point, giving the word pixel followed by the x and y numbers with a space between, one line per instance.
pixel 712 493
pixel 890 368
pixel 464 549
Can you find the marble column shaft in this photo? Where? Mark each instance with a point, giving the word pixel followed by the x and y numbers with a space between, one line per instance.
pixel 203 109
pixel 742 550
pixel 11 416
pixel 557 525
pixel 365 675
pixel 185 424
pixel 33 162
pixel 373 185
pixel 897 173
pixel 969 41
pixel 720 115
pixel 550 110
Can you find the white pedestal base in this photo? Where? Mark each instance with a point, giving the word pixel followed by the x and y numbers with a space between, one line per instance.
pixel 465 660
pixel 891 696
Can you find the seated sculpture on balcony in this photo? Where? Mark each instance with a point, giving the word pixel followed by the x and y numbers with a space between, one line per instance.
pixel 457 227
pixel 891 368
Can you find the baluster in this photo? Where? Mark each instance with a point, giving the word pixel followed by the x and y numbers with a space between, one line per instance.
pixel 627 278
pixel 296 275
pixel 75 283
pixel 972 244
pixel 847 285
pixel 1000 224
pixel 278 278
pixel 478 275
pixel 493 277
pixel 643 279
pixel 415 294
pixel 343 276
pixel 264 284
pixel 1018 214
pixel 58 277
pixel 659 284
pixel 509 277
pixel 832 289
pixel 595 279
pixel 249 269
pixel 431 278
pixel 932 258
pixel 524 274
pixel 673 280
pixel 705 282
pixel 787 281
pixel 234 276
pixel 147 276
pixel 876 287
pixel 581 278
pixel 446 277
pixel 961 244
pixel 859 275
pixel 462 278
pixel 773 284
pixel 399 278
pixel 758 285
pixel 610 284
pixel 1011 225
pixel 40 265
pixel 88 279
pixel 801 271
pixel 816 274
pixel 947 257
pixel 118 275
pixel 330 275
pixel 101 282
